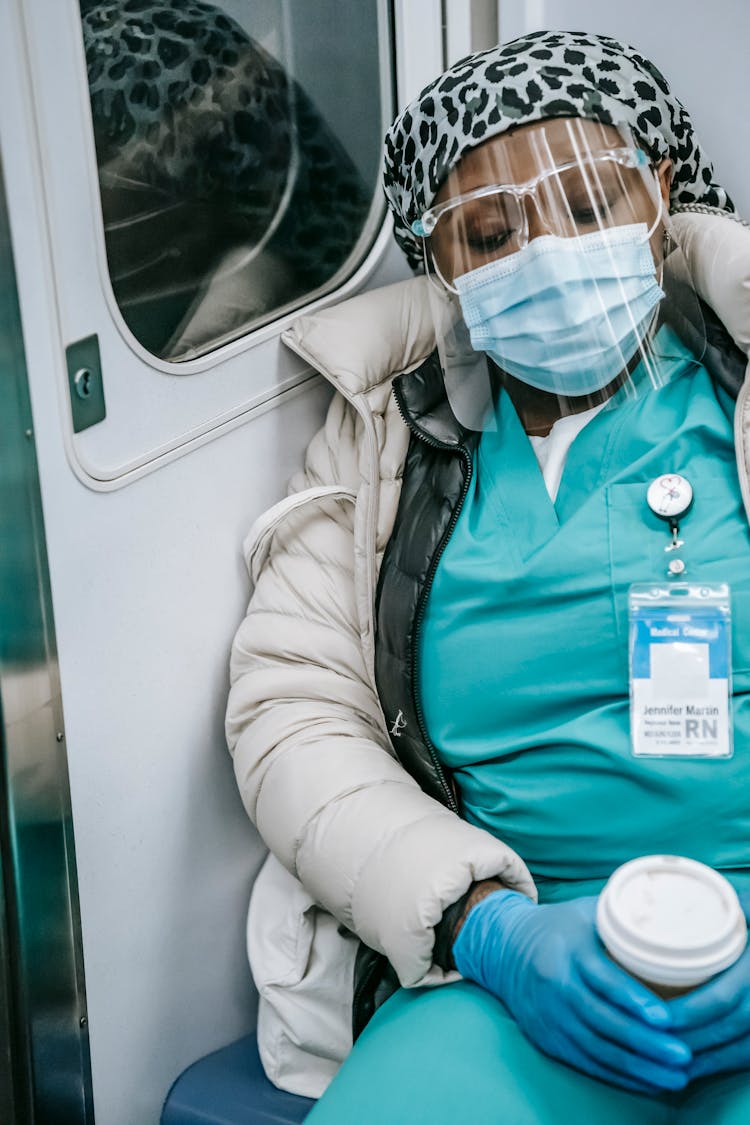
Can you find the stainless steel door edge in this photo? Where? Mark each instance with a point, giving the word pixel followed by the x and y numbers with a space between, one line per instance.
pixel 45 1074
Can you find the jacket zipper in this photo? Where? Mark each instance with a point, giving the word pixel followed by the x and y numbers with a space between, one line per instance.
pixel 361 989
pixel 463 452
pixel 739 443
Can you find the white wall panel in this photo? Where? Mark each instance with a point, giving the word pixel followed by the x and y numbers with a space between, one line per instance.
pixel 419 46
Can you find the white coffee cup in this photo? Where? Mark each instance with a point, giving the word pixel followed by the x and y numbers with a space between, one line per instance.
pixel 670 921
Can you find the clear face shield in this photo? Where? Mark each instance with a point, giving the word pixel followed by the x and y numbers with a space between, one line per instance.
pixel 553 273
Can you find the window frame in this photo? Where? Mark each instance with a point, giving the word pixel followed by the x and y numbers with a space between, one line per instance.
pixel 154 415
pixel 371 245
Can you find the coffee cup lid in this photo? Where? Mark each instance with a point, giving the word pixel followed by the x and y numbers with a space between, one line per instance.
pixel 671 920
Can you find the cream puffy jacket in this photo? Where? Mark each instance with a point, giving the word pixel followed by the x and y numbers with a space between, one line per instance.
pixel 356 847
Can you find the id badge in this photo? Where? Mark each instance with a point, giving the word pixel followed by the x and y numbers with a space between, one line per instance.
pixel 680 670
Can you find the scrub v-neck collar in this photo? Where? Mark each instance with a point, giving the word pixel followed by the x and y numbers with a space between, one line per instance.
pixel 511 480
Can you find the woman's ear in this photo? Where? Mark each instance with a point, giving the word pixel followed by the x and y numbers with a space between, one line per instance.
pixel 664 174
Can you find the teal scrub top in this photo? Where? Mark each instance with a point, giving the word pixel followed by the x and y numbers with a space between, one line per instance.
pixel 523 670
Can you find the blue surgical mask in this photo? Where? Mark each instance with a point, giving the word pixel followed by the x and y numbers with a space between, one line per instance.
pixel 565 315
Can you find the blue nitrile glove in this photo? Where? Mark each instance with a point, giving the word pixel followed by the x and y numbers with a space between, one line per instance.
pixel 714 1020
pixel 548 966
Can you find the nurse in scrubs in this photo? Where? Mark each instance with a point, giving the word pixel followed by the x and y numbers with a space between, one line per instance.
pixel 571 345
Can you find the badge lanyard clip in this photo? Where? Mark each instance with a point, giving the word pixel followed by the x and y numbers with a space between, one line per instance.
pixel 674 527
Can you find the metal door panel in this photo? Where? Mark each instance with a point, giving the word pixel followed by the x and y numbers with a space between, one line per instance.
pixel 44 1068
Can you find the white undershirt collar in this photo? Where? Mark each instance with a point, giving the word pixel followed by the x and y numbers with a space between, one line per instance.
pixel 551 451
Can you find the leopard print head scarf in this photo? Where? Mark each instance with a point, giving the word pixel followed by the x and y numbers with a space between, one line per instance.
pixel 542 75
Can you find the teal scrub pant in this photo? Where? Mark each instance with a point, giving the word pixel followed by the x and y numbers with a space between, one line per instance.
pixel 454 1054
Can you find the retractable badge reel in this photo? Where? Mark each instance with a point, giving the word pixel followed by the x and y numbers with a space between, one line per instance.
pixel 679 640
pixel 670 498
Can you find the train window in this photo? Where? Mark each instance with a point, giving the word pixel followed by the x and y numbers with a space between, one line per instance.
pixel 238 144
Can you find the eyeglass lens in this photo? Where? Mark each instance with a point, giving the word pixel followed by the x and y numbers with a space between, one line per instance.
pixel 565 203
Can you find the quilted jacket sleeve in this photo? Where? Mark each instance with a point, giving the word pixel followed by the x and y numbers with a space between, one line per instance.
pixel 311 754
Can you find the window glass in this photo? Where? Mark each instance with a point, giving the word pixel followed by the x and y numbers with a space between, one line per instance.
pixel 238 145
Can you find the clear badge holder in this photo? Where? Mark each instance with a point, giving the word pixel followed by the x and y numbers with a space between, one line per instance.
pixel 680 670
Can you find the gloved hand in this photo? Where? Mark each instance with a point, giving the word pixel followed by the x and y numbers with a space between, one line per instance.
pixel 548 966
pixel 714 1020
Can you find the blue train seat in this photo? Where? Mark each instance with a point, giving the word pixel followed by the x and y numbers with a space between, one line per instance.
pixel 229 1087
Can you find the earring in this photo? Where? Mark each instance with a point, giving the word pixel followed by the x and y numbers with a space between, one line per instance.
pixel 668 244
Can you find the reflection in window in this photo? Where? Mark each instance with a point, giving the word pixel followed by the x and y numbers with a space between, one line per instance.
pixel 227 192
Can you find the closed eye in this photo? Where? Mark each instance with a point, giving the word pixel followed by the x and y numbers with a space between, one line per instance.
pixel 593 210
pixel 586 215
pixel 486 243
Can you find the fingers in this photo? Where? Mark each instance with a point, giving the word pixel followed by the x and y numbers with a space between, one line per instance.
pixel 728 1056
pixel 734 1025
pixel 585 1062
pixel 618 1027
pixel 714 1002
pixel 617 987
pixel 632 1064
pixel 628 1065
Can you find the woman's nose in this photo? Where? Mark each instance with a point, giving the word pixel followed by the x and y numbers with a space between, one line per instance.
pixel 536 223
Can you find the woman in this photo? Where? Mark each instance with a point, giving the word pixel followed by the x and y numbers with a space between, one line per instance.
pixel 534 181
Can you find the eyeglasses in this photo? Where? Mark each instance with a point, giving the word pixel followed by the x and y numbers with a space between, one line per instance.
pixel 583 174
pixel 601 189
